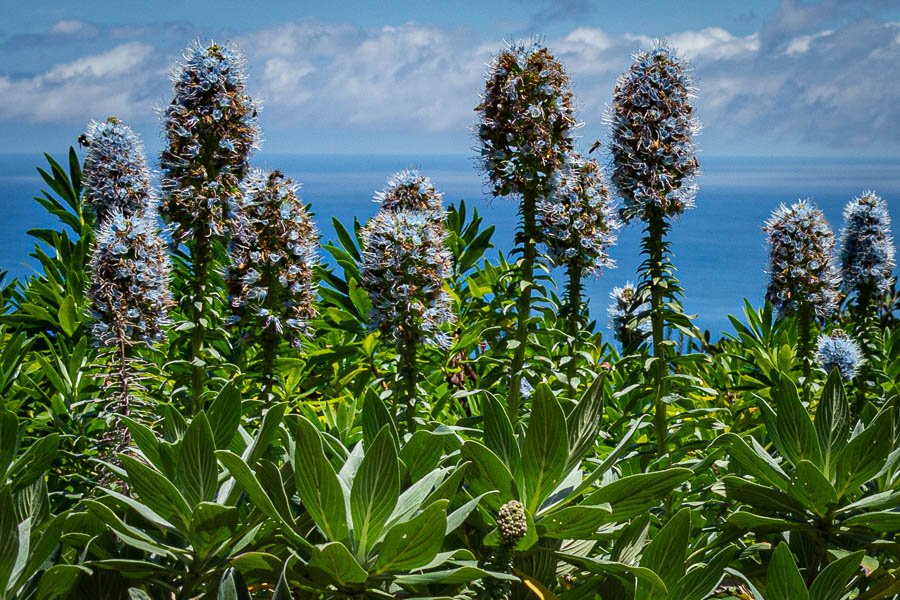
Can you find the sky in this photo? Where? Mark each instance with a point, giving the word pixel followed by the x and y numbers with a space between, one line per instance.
pixel 774 78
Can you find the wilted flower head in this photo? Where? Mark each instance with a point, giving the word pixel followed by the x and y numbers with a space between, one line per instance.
pixel 129 289
pixel 801 260
pixel 273 254
pixel 841 352
pixel 867 248
pixel 621 314
pixel 410 190
pixel 512 524
pixel 210 132
pixel 578 219
pixel 404 264
pixel 115 173
pixel 652 141
pixel 526 118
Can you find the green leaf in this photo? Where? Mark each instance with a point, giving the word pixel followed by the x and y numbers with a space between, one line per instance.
pixel 545 450
pixel 885 521
pixel 864 455
pixel 832 419
pixel 157 492
pixel 232 586
pixel 422 453
pixel 34 462
pixel 797 439
pixel 9 537
pixel 621 571
pixel 760 497
pixel 337 564
pixel 211 525
pixel 498 433
pixel 458 516
pixel 665 555
pixel 451 576
pixel 632 495
pixel 699 582
pixel 225 415
pixel 9 440
pixel 375 415
pixel 584 422
pixel 197 472
pixel 317 483
pixel 68 315
pixel 784 581
pixel 376 488
pixel 487 473
pixel 811 488
pixel 833 579
pixel 746 520
pixel 145 440
pixel 414 543
pixel 755 461
pixel 573 522
pixel 59 580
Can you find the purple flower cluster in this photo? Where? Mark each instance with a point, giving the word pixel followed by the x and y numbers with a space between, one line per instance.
pixel 801 260
pixel 526 119
pixel 867 248
pixel 839 351
pixel 652 143
pixel 115 175
pixel 210 133
pixel 578 219
pixel 622 311
pixel 129 289
pixel 273 255
pixel 405 262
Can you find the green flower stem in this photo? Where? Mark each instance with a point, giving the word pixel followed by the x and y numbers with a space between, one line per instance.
pixel 408 377
pixel 269 343
pixel 866 317
pixel 528 239
pixel 656 227
pixel 200 257
pixel 805 322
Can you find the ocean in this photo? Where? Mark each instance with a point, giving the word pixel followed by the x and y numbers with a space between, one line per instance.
pixel 719 248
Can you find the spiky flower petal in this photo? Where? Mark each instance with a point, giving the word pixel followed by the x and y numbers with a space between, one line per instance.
pixel 578 219
pixel 867 248
pixel 512 524
pixel 653 129
pixel 622 311
pixel 129 291
pixel 839 351
pixel 404 265
pixel 526 119
pixel 210 129
pixel 115 173
pixel 410 190
pixel 801 260
pixel 273 255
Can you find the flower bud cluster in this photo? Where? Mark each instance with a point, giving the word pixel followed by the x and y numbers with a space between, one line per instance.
pixel 210 132
pixel 129 289
pixel 801 260
pixel 273 255
pixel 526 119
pixel 115 172
pixel 839 351
pixel 652 142
pixel 622 311
pixel 578 219
pixel 867 248
pixel 512 525
pixel 405 262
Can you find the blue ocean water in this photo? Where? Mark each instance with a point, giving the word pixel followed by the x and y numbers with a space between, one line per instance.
pixel 719 247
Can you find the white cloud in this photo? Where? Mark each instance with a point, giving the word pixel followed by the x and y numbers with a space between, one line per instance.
pixel 713 43
pixel 801 44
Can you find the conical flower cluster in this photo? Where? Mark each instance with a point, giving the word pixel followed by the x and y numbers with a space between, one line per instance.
pixel 578 219
pixel 867 248
pixel 273 255
pixel 410 190
pixel 129 289
pixel 801 260
pixel 653 128
pixel 526 119
pixel 621 313
pixel 839 351
pixel 115 175
pixel 405 262
pixel 512 524
pixel 210 132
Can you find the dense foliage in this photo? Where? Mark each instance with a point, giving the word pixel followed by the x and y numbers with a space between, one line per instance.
pixel 409 419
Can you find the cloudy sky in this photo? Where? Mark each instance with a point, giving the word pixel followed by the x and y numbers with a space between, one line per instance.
pixel 402 77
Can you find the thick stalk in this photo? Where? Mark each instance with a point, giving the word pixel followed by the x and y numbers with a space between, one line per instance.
pixel 804 343
pixel 523 303
pixel 200 258
pixel 269 345
pixel 408 378
pixel 124 407
pixel 573 317
pixel 655 249
pixel 867 332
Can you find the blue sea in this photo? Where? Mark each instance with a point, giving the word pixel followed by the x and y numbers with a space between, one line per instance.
pixel 719 247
